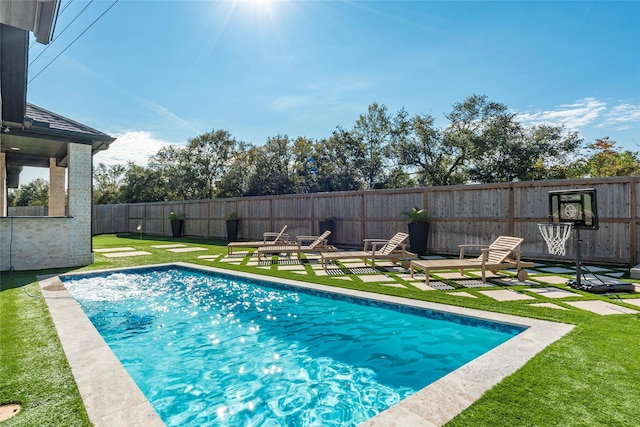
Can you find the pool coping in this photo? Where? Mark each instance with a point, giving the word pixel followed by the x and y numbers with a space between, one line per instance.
pixel 111 397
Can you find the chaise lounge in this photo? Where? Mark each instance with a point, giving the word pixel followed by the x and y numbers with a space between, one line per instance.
pixel 493 258
pixel 393 249
pixel 269 238
pixel 318 244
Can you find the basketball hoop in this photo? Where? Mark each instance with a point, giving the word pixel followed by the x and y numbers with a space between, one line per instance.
pixel 556 235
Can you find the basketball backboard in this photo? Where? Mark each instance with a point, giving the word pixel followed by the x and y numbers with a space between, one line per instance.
pixel 578 207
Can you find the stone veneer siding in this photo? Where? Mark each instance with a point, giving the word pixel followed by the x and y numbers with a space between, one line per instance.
pixel 56 189
pixel 80 175
pixel 33 243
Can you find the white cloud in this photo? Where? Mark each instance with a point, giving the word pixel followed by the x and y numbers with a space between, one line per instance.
pixel 622 117
pixel 576 115
pixel 135 146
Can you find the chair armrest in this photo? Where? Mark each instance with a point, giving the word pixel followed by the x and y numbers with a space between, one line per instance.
pixel 462 248
pixel 271 237
pixel 372 242
pixel 485 255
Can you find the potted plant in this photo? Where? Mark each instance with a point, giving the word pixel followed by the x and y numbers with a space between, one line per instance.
pixel 330 225
pixel 232 227
pixel 418 230
pixel 176 223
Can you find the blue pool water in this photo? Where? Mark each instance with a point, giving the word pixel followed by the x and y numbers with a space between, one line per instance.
pixel 218 350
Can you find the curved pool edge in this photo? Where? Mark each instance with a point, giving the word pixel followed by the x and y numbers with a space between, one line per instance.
pixel 111 395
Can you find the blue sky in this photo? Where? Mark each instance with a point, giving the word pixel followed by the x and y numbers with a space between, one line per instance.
pixel 158 72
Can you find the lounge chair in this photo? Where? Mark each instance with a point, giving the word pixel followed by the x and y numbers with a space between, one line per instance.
pixel 318 244
pixel 393 249
pixel 268 238
pixel 493 258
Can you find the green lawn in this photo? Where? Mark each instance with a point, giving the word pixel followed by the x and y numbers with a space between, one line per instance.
pixel 588 378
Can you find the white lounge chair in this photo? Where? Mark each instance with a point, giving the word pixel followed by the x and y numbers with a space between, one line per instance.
pixel 393 249
pixel 318 244
pixel 268 238
pixel 494 257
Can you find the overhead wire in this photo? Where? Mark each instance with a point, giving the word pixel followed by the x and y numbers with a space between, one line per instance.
pixel 61 32
pixel 74 40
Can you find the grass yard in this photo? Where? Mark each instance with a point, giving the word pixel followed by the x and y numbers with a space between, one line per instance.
pixel 588 378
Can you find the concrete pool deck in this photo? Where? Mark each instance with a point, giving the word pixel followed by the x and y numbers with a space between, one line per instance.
pixel 111 397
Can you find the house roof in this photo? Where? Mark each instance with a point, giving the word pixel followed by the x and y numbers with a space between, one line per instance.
pixel 37 16
pixel 43 135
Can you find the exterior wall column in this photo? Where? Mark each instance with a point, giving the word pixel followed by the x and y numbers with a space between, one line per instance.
pixel 3 185
pixel 56 189
pixel 80 174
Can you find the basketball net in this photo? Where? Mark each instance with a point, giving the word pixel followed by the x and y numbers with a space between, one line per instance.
pixel 556 236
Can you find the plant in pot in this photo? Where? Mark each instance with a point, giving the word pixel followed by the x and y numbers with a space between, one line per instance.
pixel 330 225
pixel 232 227
pixel 177 220
pixel 418 230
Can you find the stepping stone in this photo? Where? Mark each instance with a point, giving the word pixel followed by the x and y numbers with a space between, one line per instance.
pixel 291 267
pixel 633 301
pixel 376 278
pixel 595 269
pixel 553 292
pixel 601 307
pixel 614 273
pixel 554 280
pixel 462 294
pixel 422 286
pixel 558 270
pixel 513 281
pixel 189 249
pixel 106 250
pixel 506 295
pixel 125 254
pixel 394 285
pixel 548 305
pixel 173 245
pixel 211 257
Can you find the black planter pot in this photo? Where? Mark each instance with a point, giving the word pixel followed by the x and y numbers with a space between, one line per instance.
pixel 232 230
pixel 330 226
pixel 176 227
pixel 418 237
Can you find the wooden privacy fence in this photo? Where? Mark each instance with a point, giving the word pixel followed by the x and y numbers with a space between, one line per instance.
pixel 459 214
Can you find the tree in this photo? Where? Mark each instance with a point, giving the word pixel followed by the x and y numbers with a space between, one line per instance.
pixel 423 150
pixel 193 172
pixel 143 184
pixel 33 193
pixel 374 131
pixel 607 160
pixel 273 169
pixel 338 161
pixel 235 181
pixel 107 182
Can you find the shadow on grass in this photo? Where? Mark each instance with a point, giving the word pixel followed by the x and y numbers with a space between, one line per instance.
pixel 19 279
pixel 165 239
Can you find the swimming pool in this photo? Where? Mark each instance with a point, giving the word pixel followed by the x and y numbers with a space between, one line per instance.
pixel 313 360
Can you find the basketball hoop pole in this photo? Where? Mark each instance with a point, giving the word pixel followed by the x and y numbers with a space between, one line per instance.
pixel 578 257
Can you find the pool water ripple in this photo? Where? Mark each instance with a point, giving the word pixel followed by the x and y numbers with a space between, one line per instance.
pixel 213 350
